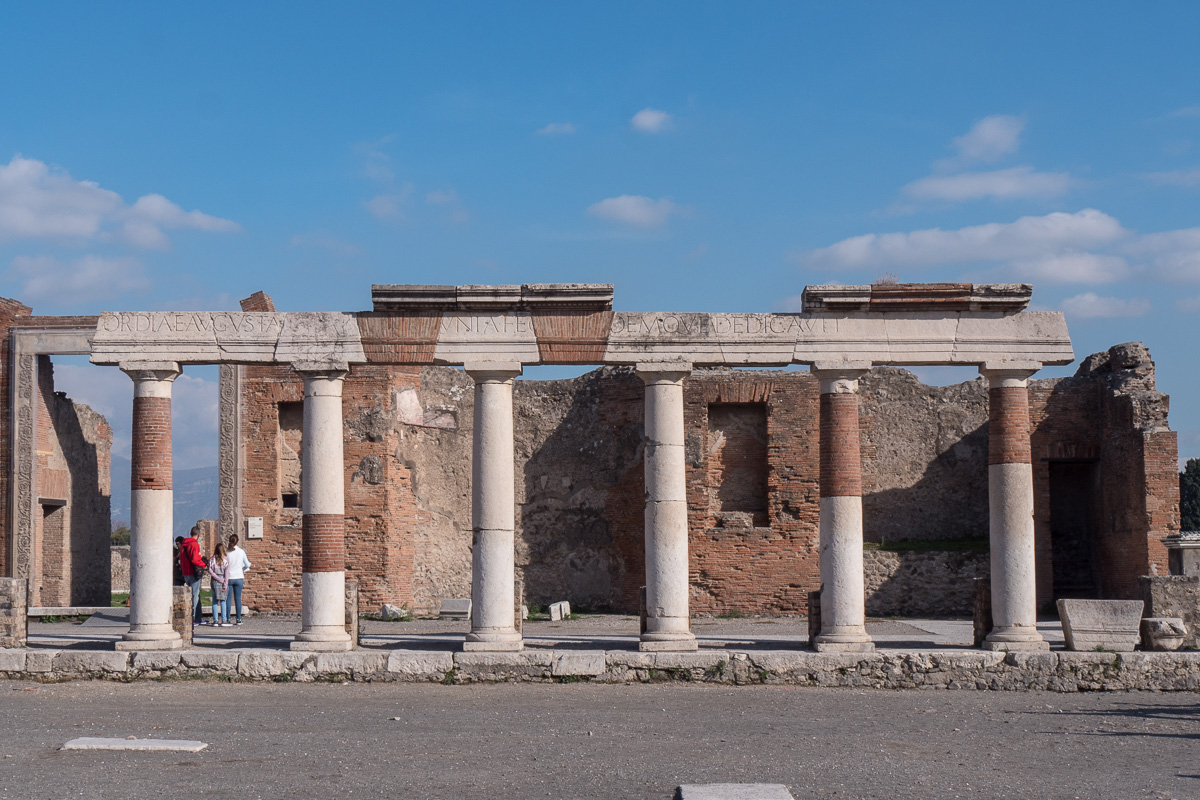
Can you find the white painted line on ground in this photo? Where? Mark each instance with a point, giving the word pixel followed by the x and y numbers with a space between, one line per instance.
pixel 100 743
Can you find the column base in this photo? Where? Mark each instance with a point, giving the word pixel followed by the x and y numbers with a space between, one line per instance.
pixel 492 642
pixel 1016 639
pixel 148 641
pixel 848 640
pixel 322 641
pixel 667 642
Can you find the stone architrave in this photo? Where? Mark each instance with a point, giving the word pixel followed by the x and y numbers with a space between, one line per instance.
pixel 151 510
pixel 1101 624
pixel 310 340
pixel 493 511
pixel 1010 502
pixel 668 624
pixel 843 612
pixel 323 499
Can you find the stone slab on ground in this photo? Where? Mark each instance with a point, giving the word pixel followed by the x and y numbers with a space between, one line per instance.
pixel 1101 624
pixel 560 610
pixel 100 743
pixel 455 608
pixel 733 791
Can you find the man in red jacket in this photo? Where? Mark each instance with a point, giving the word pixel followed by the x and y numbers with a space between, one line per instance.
pixel 191 564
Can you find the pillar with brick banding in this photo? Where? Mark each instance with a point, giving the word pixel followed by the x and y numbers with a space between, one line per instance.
pixel 151 510
pixel 843 612
pixel 493 511
pixel 323 500
pixel 668 625
pixel 1010 506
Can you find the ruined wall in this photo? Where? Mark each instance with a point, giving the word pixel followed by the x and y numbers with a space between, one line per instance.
pixel 751 480
pixel 10 312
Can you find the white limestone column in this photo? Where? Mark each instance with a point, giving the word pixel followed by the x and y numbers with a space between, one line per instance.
pixel 493 511
pixel 151 510
pixel 668 623
pixel 323 501
pixel 1010 505
pixel 843 611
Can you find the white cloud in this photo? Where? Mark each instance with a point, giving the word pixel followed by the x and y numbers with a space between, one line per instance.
pixel 1179 177
pixel 651 120
pixel 557 129
pixel 377 165
pixel 1026 238
pixel 1072 266
pixel 1172 256
pixel 1089 305
pixel 37 202
pixel 1186 111
pixel 1188 305
pixel 989 139
pixel 1001 183
pixel 391 206
pixel 81 280
pixel 641 212
pixel 440 197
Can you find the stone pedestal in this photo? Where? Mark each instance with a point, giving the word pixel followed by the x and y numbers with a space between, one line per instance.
pixel 181 614
pixel 323 500
pixel 843 611
pixel 1010 502
pixel 493 511
pixel 152 511
pixel 14 620
pixel 668 623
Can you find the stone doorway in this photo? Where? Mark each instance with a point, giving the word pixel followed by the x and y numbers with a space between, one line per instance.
pixel 1074 500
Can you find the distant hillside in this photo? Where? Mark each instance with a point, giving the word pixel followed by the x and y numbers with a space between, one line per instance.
pixel 195 494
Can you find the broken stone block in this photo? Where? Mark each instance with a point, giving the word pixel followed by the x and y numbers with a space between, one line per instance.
pixel 1163 633
pixel 733 791
pixel 455 608
pixel 390 612
pixel 560 610
pixel 1101 624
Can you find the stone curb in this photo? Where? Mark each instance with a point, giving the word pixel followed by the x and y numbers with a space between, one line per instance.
pixel 1057 671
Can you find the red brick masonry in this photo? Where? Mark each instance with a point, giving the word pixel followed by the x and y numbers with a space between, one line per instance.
pixel 841 454
pixel 324 543
pixel 151 443
pixel 1008 425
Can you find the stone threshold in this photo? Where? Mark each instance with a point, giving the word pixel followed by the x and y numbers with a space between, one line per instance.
pixel 1057 671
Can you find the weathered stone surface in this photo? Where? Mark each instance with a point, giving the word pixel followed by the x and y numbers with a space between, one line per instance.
pixel 560 610
pixel 1101 624
pixel 40 661
pixel 213 660
pixel 1173 596
pixel 587 663
pixel 917 584
pixel 155 745
pixel 455 608
pixel 481 666
pixel 356 665
pixel 13 612
pixel 155 660
pixel 12 660
pixel 1163 634
pixel 392 612
pixel 419 664
pixel 90 661
pixel 268 664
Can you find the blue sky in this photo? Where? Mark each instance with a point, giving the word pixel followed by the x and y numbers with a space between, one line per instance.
pixel 700 156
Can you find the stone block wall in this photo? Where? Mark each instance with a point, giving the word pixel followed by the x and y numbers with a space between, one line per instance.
pixel 922 584
pixel 14 617
pixel 119 568
pixel 1173 596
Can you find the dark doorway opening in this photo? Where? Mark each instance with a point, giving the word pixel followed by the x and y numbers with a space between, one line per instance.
pixel 1074 499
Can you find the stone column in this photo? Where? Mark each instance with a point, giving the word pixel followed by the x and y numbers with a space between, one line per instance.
pixel 151 510
pixel 668 625
pixel 493 511
pixel 323 501
pixel 843 614
pixel 1010 506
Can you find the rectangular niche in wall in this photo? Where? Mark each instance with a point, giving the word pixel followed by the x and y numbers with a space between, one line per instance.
pixel 291 426
pixel 737 464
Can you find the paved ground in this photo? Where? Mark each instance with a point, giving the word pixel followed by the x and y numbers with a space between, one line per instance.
pixel 587 741
pixel 591 632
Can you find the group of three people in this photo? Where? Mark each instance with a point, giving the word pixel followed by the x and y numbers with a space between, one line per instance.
pixel 227 569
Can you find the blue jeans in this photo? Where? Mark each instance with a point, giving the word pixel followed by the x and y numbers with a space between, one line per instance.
pixel 234 596
pixel 197 611
pixel 220 609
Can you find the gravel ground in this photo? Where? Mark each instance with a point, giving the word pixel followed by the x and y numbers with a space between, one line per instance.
pixel 586 741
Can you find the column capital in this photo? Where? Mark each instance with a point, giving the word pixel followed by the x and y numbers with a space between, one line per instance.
pixel 1008 374
pixel 492 371
pixel 321 371
pixel 839 377
pixel 141 371
pixel 658 372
